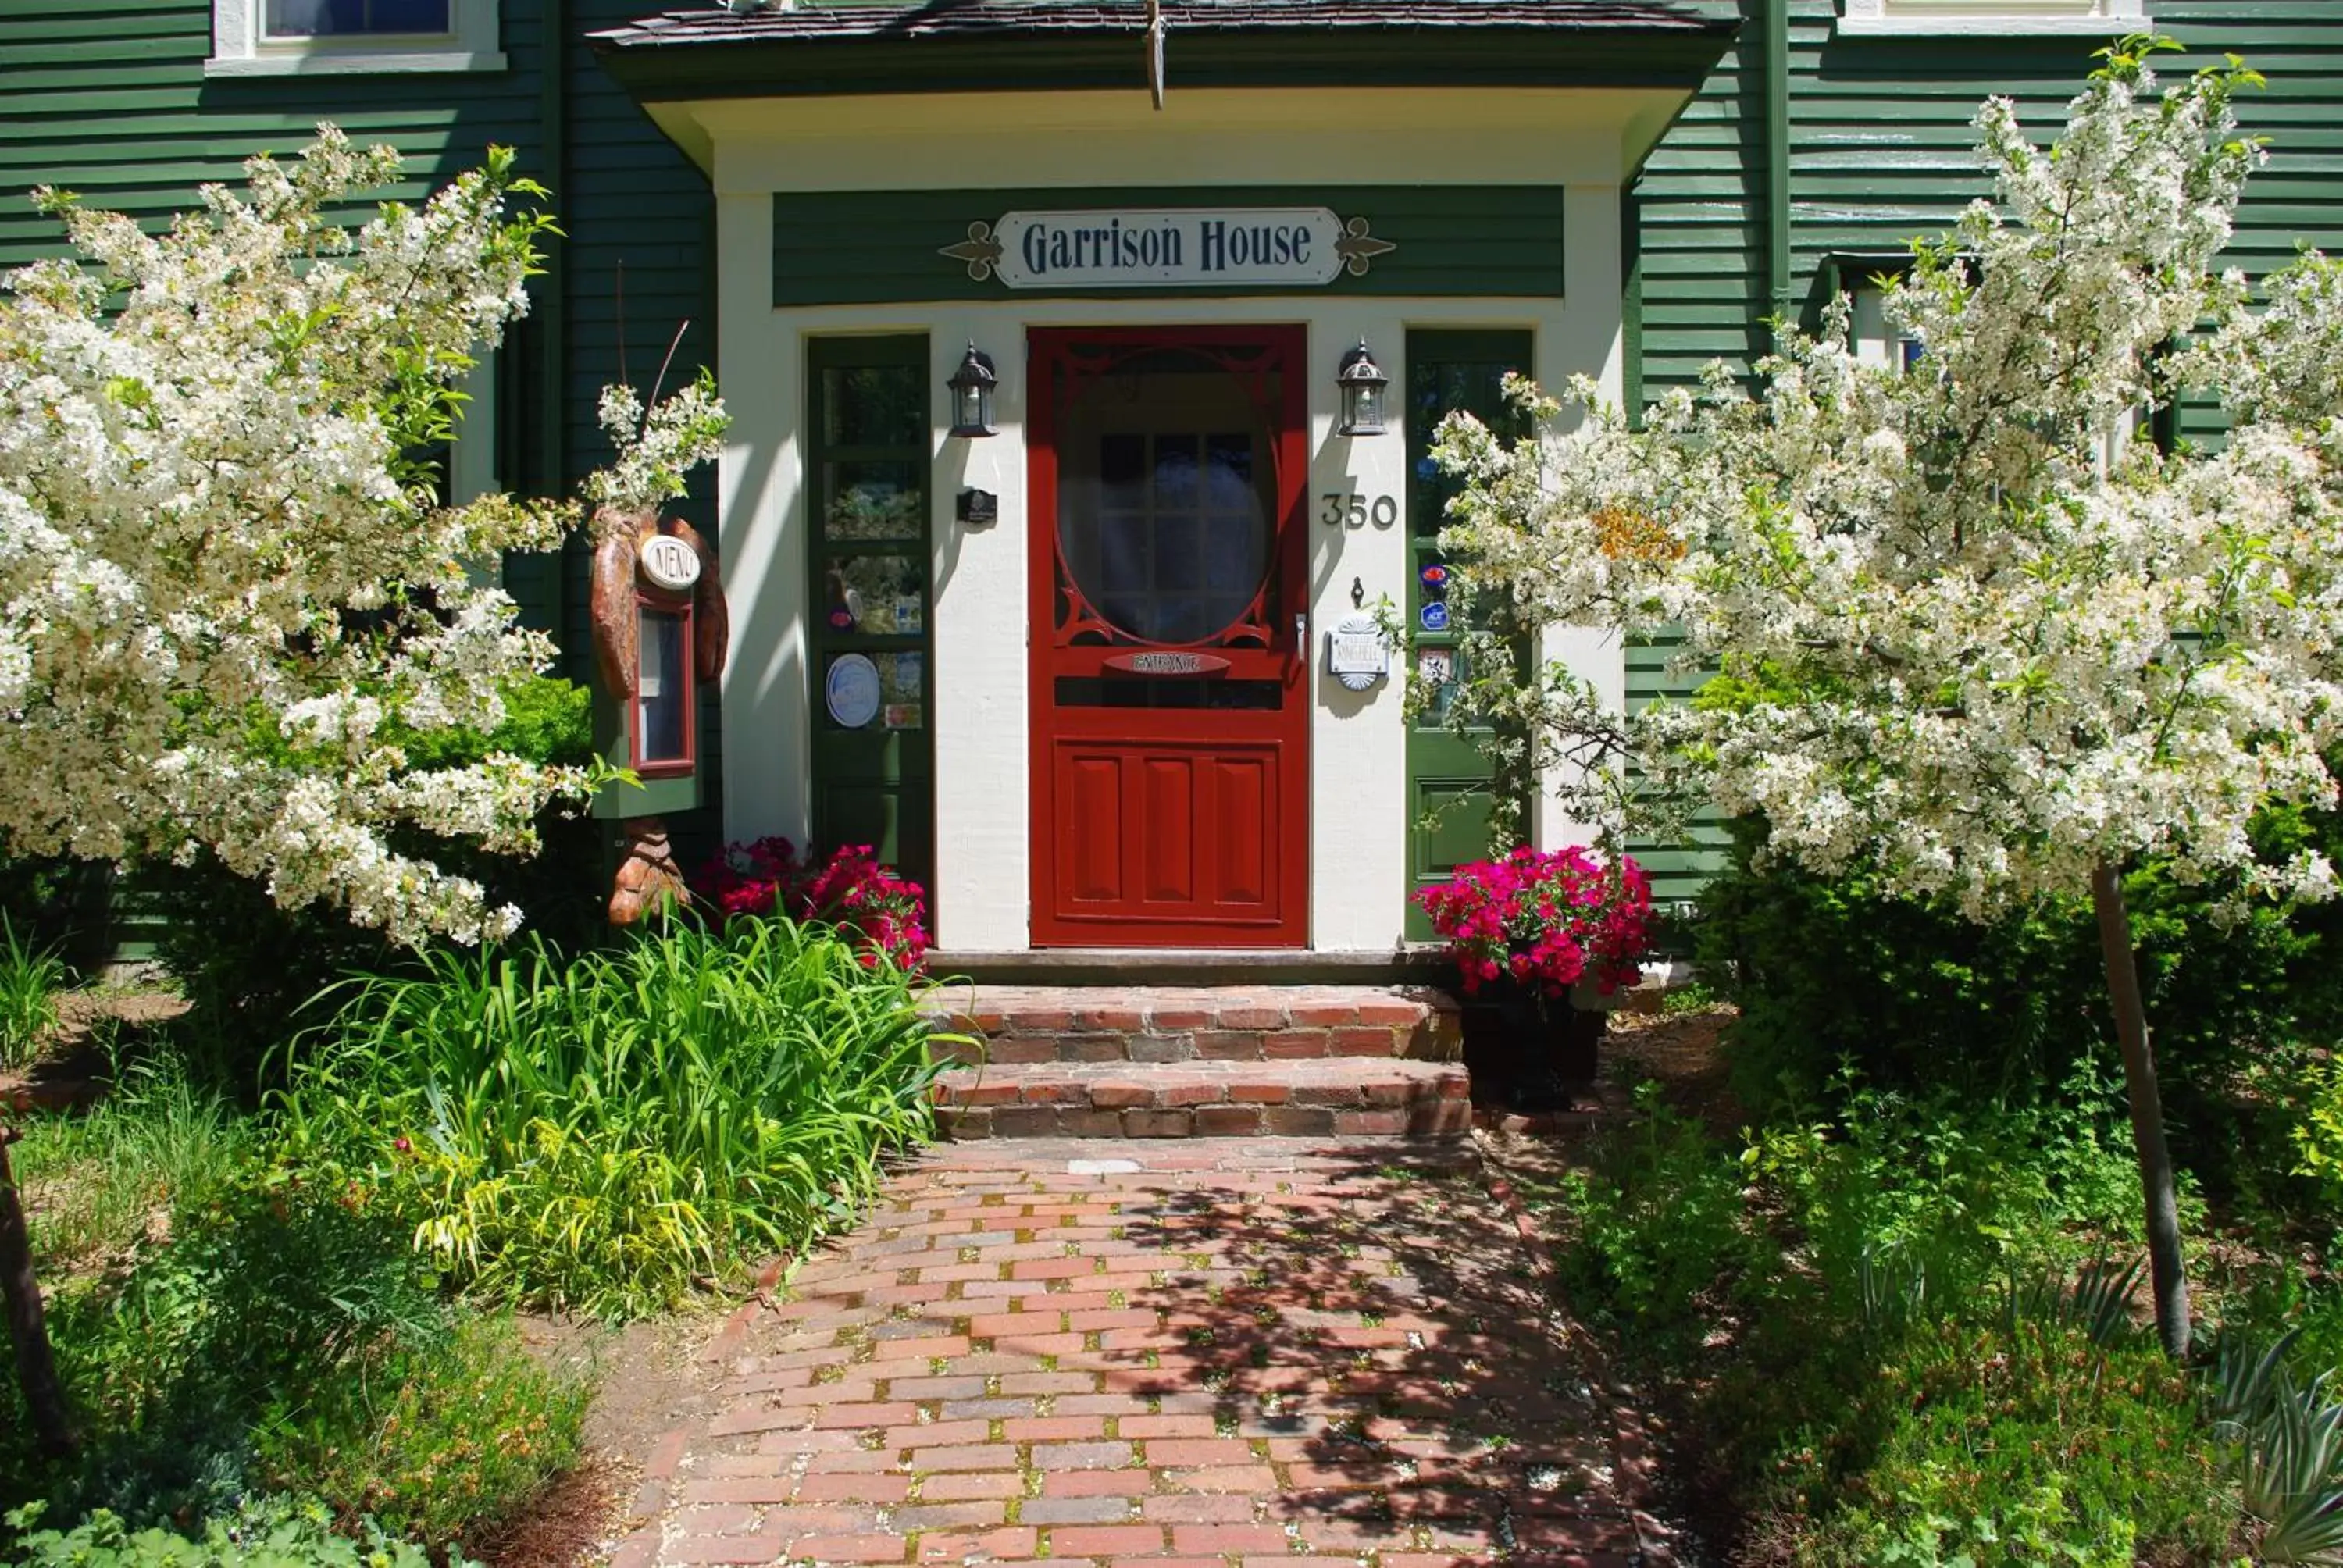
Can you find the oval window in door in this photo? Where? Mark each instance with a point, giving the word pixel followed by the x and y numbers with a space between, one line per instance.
pixel 1166 500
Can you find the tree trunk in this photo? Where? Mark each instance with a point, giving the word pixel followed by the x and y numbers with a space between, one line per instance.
pixel 37 1368
pixel 2168 1272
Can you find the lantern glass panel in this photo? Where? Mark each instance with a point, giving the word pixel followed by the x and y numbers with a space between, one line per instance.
pixel 664 687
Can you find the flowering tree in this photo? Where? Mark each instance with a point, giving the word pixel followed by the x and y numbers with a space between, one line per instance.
pixel 229 585
pixel 1960 635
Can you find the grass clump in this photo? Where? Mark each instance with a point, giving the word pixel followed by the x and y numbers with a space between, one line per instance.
pixel 98 1183
pixel 232 1327
pixel 30 976
pixel 598 1132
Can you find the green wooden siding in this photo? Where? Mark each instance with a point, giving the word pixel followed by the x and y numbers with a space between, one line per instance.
pixel 873 247
pixel 637 265
pixel 109 100
pixel 1881 150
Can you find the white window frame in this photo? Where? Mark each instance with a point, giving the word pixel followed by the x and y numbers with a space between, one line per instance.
pixel 1867 331
pixel 1875 343
pixel 2094 18
pixel 239 49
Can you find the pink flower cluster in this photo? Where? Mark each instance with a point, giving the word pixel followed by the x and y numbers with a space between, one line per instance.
pixel 1545 919
pixel 852 892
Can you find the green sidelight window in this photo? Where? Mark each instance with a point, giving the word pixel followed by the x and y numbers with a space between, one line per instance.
pixel 1450 807
pixel 868 585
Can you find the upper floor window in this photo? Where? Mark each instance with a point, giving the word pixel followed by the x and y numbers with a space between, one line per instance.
pixel 288 38
pixel 2099 18
pixel 360 18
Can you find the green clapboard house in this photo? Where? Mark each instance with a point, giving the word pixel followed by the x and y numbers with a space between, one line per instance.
pixel 1083 371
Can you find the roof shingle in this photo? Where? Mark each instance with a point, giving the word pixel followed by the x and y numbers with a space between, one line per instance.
pixel 1065 18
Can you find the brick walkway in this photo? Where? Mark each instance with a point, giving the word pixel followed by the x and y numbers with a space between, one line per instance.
pixel 1199 1355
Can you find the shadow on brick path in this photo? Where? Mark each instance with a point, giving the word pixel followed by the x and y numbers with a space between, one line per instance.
pixel 1230 1353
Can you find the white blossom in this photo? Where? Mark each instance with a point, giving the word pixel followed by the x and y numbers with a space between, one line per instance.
pixel 1952 642
pixel 225 586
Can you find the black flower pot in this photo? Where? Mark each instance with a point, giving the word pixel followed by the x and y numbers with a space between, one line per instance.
pixel 1528 1050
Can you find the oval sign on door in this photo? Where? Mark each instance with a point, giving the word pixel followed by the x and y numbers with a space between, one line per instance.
pixel 1168 663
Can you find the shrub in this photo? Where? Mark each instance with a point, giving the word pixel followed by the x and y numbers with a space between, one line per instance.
pixel 1829 973
pixel 437 1441
pixel 248 967
pixel 275 1533
pixel 29 979
pixel 851 891
pixel 596 1132
pixel 1660 1237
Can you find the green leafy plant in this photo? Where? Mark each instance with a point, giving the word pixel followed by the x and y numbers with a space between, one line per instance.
pixel 30 977
pixel 272 1533
pixel 265 1288
pixel 2318 1134
pixel 1659 1225
pixel 2292 1474
pixel 2014 1444
pixel 599 1130
pixel 2290 1437
pixel 2096 1302
pixel 436 1442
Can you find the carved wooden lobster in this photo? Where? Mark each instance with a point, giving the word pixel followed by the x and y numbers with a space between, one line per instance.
pixel 649 876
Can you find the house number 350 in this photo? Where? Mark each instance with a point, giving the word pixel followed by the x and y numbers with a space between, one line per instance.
pixel 1349 508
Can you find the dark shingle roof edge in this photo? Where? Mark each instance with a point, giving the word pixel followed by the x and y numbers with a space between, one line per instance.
pixel 1068 19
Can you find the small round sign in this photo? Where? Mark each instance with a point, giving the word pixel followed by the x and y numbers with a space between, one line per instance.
pixel 853 690
pixel 1434 576
pixel 670 563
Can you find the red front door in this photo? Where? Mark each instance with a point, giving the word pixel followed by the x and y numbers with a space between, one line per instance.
pixel 1170 713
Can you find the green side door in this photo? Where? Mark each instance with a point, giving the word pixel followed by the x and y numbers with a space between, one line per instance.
pixel 1449 805
pixel 868 588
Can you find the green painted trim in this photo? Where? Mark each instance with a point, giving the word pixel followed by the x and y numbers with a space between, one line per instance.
pixel 1631 302
pixel 656 797
pixel 868 248
pixel 1272 58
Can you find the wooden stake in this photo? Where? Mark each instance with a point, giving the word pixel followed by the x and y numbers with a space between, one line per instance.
pixel 37 1368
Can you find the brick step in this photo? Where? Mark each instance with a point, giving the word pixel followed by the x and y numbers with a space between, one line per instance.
pixel 1024 1025
pixel 1324 1096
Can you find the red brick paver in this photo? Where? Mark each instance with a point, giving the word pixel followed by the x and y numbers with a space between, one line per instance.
pixel 1216 1355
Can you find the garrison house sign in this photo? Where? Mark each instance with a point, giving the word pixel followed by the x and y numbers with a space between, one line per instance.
pixel 1169 247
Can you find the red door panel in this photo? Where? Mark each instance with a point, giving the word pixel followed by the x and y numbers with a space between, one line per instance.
pixel 1091 829
pixel 1170 719
pixel 1244 812
pixel 1166 839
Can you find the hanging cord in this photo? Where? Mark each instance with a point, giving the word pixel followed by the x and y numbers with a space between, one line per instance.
pixel 1156 28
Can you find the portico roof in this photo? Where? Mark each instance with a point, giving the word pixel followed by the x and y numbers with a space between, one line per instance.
pixel 963 46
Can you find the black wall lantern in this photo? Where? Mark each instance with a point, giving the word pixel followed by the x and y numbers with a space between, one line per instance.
pixel 1362 382
pixel 971 388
